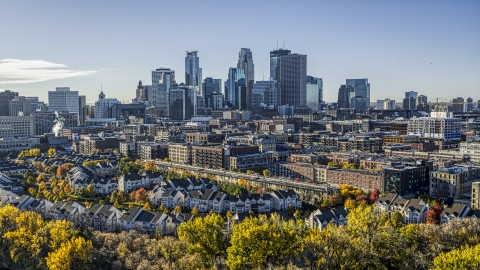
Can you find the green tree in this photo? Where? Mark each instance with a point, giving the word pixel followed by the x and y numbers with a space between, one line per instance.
pixel 267 173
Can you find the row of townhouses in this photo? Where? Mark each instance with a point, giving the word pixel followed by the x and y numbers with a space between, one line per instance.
pixel 412 210
pixel 203 194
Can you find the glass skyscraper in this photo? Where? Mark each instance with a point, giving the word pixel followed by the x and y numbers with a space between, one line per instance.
pixel 193 72
pixel 362 89
pixel 235 89
pixel 314 93
pixel 245 61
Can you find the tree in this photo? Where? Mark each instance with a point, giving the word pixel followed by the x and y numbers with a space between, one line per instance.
pixel 349 191
pixel 464 258
pixel 177 209
pixel 433 215
pixel 260 242
pixel 61 171
pixel 41 177
pixel 350 204
pixel 267 173
pixel 194 211
pixel 147 207
pixel 374 195
pixel 51 152
pixel 140 195
pixel 396 219
pixel 73 254
pixel 162 208
pixel 90 191
pixel 204 237
pixel 249 172
pixel 151 166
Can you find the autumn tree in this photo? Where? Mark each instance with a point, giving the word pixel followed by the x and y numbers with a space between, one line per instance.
pixel 195 211
pixel 267 173
pixel 77 253
pixel 374 195
pixel 140 195
pixel 61 171
pixel 51 152
pixel 464 258
pixel 177 209
pixel 261 242
pixel 204 237
pixel 90 191
pixel 349 191
pixel 147 207
pixel 151 166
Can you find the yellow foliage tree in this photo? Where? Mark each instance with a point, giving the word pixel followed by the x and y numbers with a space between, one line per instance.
pixel 51 152
pixel 151 166
pixel 73 254
pixel 464 258
pixel 349 191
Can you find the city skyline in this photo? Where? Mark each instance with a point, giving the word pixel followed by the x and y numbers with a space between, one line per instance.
pixel 399 47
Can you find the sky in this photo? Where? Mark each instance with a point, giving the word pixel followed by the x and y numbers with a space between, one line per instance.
pixel 432 47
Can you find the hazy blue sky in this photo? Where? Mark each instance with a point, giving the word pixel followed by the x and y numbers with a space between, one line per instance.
pixel 432 47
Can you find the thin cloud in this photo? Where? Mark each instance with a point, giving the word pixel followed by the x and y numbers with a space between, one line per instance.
pixel 31 71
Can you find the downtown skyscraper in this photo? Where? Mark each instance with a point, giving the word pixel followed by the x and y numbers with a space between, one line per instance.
pixel 245 61
pixel 290 70
pixel 235 89
pixel 193 72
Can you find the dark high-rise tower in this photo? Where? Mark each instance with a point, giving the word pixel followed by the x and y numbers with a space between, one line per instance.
pixel 345 95
pixel 193 72
pixel 290 70
pixel 245 61
pixel 362 89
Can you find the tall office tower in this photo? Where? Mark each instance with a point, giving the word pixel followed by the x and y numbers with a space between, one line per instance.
pixel 245 61
pixel 290 70
pixel 209 87
pixel 5 98
pixel 193 72
pixel 345 95
pixel 157 76
pixel 164 81
pixel 235 89
pixel 266 93
pixel 182 102
pixel 361 87
pixel 104 106
pixel 216 101
pixel 386 104
pixel 458 105
pixel 411 94
pixel 410 101
pixel 82 102
pixel 36 105
pixel 389 104
pixel 143 94
pixel 62 99
pixel 469 105
pixel 314 93
pixel 478 104
pixel 422 103
pixel 360 104
pixel 19 106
